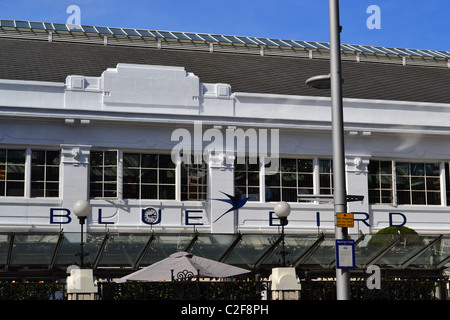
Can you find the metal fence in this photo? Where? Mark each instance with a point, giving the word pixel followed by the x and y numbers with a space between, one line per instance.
pixel 391 289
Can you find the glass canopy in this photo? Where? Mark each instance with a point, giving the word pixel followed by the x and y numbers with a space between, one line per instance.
pixel 224 39
pixel 22 252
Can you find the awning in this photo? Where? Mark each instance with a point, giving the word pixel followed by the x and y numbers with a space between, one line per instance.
pixel 25 253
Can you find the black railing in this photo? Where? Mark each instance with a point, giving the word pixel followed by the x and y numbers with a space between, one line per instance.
pixel 182 290
pixel 398 289
pixel 32 291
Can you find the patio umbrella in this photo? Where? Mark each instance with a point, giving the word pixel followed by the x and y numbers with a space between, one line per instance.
pixel 183 265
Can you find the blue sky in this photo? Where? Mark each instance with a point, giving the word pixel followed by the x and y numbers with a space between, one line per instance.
pixel 416 24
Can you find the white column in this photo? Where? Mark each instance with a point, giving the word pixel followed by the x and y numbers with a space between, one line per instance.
pixel 74 180
pixel 357 184
pixel 221 182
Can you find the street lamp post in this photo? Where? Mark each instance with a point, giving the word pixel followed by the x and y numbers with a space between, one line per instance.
pixel 82 209
pixel 284 284
pixel 80 284
pixel 334 82
pixel 282 211
pixel 340 196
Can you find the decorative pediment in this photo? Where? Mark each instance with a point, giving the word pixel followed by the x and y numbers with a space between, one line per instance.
pixel 150 85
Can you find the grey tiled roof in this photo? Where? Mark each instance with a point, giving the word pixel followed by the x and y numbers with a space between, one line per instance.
pixel 53 61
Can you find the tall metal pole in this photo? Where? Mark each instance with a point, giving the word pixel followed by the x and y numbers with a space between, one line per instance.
pixel 340 196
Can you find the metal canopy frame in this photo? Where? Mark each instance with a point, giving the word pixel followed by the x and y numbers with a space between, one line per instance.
pixel 160 35
pixel 130 251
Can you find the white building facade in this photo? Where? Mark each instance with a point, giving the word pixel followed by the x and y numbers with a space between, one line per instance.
pixel 122 141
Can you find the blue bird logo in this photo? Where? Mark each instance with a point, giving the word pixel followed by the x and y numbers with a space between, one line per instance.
pixel 235 201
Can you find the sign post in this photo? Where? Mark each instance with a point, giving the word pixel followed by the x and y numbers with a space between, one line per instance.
pixel 344 220
pixel 345 254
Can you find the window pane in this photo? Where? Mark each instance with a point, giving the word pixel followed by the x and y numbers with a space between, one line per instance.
pixel 166 176
pixel 305 180
pixel 38 158
pixel 433 184
pixel 16 172
pixel 417 169
pixel 130 175
pixel 305 165
pixel 165 161
pixel 403 197
pixel 289 180
pixel 273 194
pixel 373 181
pixel 110 174
pixel 325 166
pixel 386 167
pixel 253 179
pixel 433 198
pixel 374 196
pixel 110 190
pixel 402 183
pixel 149 192
pixel 149 161
pixel 110 158
pixel 53 158
pixel 37 189
pixel 14 189
pixel 418 197
pixel 386 182
pixel 166 192
pixel 37 173
pixel 96 174
pixel 288 165
pixel 325 181
pixel 432 169
pixel 16 156
pixel 52 189
pixel 402 168
pixel 96 158
pixel 386 196
pixel 253 193
pixel 52 174
pixel 289 194
pixel 273 180
pixel 131 160
pixel 149 176
pixel 96 190
pixel 130 191
pixel 417 183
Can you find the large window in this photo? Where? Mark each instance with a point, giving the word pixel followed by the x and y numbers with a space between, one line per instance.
pixel 246 180
pixel 194 181
pixel 45 173
pixel 12 172
pixel 295 176
pixel 380 182
pixel 148 176
pixel 326 176
pixel 103 174
pixel 418 183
